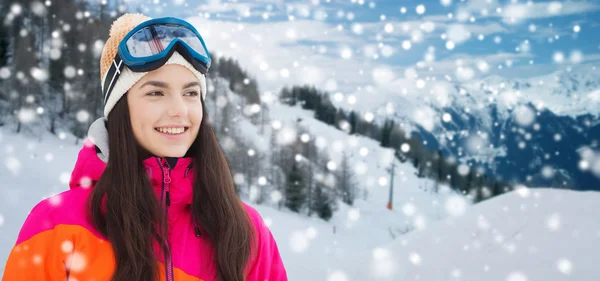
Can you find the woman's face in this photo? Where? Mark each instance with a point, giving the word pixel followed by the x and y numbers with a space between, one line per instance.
pixel 166 110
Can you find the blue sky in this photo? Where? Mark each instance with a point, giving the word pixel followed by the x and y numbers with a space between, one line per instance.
pixel 349 45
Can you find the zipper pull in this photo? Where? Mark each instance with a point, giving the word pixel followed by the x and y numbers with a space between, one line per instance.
pixel 166 173
pixel 197 231
pixel 168 199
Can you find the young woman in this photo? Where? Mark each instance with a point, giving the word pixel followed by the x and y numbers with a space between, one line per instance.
pixel 161 205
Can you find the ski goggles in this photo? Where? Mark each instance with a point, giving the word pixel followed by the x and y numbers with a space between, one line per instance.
pixel 150 44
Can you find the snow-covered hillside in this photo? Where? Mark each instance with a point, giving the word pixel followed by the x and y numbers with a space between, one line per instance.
pixel 39 165
pixel 533 234
pixel 528 234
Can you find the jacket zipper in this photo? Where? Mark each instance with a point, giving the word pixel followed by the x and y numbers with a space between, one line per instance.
pixel 166 188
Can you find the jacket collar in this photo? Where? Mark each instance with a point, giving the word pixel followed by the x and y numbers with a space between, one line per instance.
pixel 93 156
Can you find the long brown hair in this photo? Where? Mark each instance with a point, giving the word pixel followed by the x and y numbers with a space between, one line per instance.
pixel 131 210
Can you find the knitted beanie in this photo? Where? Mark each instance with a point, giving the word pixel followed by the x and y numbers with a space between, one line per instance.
pixel 127 78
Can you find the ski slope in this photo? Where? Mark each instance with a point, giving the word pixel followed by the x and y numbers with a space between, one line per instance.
pixel 529 234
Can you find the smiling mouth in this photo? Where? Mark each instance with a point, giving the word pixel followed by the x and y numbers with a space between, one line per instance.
pixel 172 131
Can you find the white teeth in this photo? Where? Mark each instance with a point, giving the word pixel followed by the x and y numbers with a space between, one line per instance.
pixel 172 131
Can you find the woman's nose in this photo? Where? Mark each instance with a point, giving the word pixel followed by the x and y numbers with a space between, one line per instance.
pixel 177 107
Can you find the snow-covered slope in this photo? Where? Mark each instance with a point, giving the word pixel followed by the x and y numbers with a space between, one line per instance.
pixel 525 235
pixel 38 166
pixel 535 234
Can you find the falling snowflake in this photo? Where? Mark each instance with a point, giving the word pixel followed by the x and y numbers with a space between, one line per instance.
pixel 76 262
pixel 383 181
pixel 415 258
pixel 337 275
pixel 564 266
pixel 558 57
pixel 446 117
pixel 39 74
pixel 405 147
pixel 49 157
pixel 66 246
pixel 331 165
pixel 65 177
pixel 27 115
pixel 55 200
pixel 298 241
pixel 346 53
pixel 463 169
pixel 4 73
pixel 446 3
pixel 55 54
pixel 458 33
pixel 353 214
pixel 483 223
pixel 70 71
pixel 554 7
pixel 553 222
pixel 409 209
pixel 13 164
pixel 37 259
pixel 286 136
pixel 82 116
pixel 16 9
pixel 311 233
pixel 524 115
pixel 516 276
pixel 576 57
pixel 456 205
pixel 425 117
pixel 389 28
pixel 522 190
pixel 238 178
pixel 383 264
pixel 357 28
pixel 547 172
pixel 276 196
pixel 85 182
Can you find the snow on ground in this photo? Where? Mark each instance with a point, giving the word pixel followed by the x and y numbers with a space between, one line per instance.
pixel 39 166
pixel 526 235
pixel 32 168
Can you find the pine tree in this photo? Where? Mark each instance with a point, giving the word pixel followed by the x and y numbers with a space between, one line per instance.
pixel 352 119
pixel 346 183
pixel 323 202
pixel 3 44
pixel 294 191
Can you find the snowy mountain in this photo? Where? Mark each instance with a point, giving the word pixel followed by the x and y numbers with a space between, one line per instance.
pixel 541 131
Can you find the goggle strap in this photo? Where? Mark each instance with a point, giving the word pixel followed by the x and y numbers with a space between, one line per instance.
pixel 114 72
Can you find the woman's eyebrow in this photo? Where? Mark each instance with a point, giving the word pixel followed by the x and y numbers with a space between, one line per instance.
pixel 191 84
pixel 165 85
pixel 156 84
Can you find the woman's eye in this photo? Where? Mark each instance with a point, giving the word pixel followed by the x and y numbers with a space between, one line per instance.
pixel 192 93
pixel 154 94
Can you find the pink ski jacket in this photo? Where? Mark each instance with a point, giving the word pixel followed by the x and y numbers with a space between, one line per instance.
pixel 59 242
